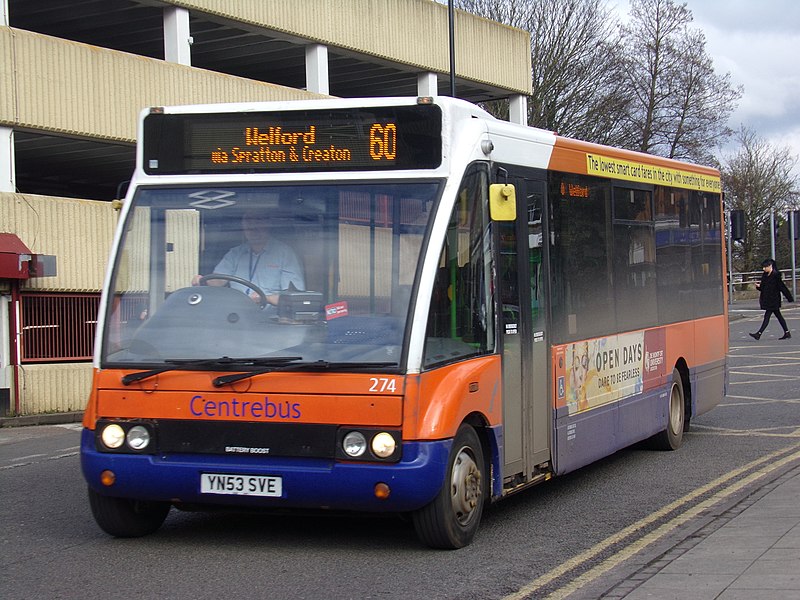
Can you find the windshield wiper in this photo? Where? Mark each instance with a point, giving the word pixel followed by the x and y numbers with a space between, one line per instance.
pixel 192 364
pixel 316 365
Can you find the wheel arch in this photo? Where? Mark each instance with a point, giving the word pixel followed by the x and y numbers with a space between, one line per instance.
pixel 489 448
pixel 463 392
pixel 683 369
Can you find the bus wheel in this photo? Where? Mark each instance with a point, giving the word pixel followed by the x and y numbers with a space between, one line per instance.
pixel 121 517
pixel 451 519
pixel 672 436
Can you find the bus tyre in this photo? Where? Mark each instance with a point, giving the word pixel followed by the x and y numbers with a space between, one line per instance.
pixel 672 436
pixel 452 518
pixel 122 517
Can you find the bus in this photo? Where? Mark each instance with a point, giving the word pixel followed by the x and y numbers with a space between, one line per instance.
pixel 394 305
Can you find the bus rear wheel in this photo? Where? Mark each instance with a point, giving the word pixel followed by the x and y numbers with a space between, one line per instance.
pixel 122 517
pixel 452 518
pixel 671 437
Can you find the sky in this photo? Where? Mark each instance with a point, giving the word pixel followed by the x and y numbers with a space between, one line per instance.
pixel 758 43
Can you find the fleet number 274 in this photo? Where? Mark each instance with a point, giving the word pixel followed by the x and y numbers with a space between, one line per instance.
pixel 382 384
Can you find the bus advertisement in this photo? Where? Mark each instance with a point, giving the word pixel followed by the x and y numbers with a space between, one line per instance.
pixel 397 305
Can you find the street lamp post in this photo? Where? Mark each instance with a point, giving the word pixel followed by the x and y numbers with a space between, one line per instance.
pixel 792 243
pixel 452 23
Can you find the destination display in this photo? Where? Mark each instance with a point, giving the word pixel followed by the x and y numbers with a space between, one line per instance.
pixel 351 139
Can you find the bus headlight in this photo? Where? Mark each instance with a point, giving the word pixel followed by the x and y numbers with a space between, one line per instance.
pixel 354 444
pixel 138 437
pixel 126 436
pixel 113 436
pixel 383 445
pixel 369 443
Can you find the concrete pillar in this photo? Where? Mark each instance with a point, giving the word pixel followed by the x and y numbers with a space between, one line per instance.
pixel 427 84
pixel 317 69
pixel 518 109
pixel 8 181
pixel 177 38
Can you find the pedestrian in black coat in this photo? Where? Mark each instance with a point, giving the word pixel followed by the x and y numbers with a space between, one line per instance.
pixel 771 287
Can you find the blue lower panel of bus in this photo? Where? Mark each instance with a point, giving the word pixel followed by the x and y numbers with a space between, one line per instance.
pixel 587 436
pixel 304 482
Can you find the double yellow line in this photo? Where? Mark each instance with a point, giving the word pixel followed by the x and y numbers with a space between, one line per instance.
pixel 731 483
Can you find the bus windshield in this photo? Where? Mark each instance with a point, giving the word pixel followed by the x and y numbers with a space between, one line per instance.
pixel 313 272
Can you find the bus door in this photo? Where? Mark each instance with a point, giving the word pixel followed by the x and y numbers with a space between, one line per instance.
pixel 526 417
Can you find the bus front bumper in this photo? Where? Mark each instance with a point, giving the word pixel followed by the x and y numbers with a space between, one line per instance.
pixel 304 482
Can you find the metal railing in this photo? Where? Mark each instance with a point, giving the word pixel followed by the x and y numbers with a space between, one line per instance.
pixel 746 282
pixel 58 327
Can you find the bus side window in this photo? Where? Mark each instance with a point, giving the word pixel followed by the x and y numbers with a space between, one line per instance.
pixel 634 258
pixel 461 320
pixel 439 312
pixel 581 268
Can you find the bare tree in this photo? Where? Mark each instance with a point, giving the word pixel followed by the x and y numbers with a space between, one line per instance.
pixel 576 67
pixel 577 72
pixel 679 106
pixel 510 12
pixel 758 179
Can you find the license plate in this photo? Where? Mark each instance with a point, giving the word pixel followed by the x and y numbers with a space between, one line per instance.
pixel 240 485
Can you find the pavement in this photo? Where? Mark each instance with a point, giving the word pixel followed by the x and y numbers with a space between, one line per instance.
pixel 746 547
pixel 43 419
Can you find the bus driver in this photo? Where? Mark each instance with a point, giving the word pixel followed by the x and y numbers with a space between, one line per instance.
pixel 262 260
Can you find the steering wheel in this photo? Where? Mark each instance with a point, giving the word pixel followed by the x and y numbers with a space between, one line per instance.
pixel 262 297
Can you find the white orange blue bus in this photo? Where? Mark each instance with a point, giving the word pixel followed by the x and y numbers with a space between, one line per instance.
pixel 468 307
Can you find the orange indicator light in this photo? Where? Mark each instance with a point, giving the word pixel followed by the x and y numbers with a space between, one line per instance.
pixel 382 491
pixel 107 478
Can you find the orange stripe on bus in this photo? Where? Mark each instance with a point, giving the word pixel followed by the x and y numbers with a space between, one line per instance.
pixel 700 342
pixel 284 383
pixel 383 411
pixel 341 398
pixel 90 414
pixel 570 156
